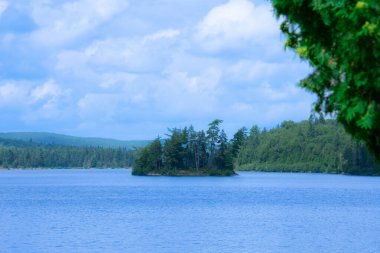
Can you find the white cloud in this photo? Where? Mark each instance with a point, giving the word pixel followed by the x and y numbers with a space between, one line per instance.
pixel 276 94
pixel 47 101
pixel 183 94
pixel 252 70
pixel 154 98
pixel 259 70
pixel 116 103
pixel 164 34
pixel 49 90
pixel 13 95
pixel 93 105
pixel 267 105
pixel 117 80
pixel 36 101
pixel 64 23
pixel 3 7
pixel 127 67
pixel 232 24
pixel 150 53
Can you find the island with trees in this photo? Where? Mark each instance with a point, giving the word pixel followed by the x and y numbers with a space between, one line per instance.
pixel 315 145
pixel 187 152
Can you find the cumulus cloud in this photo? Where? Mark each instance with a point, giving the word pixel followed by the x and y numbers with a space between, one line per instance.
pixel 164 34
pixel 106 105
pixel 260 70
pixel 63 23
pixel 48 100
pixel 184 94
pixel 267 104
pixel 35 100
pixel 117 80
pixel 267 93
pixel 232 24
pixel 13 94
pixel 150 53
pixel 3 6
pixel 103 67
pixel 49 91
pixel 168 98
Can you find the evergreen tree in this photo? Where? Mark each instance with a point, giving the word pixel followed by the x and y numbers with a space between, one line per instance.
pixel 212 138
pixel 341 41
pixel 312 145
pixel 187 151
pixel 238 140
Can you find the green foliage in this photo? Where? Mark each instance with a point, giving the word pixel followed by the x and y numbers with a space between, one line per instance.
pixel 314 145
pixel 149 159
pixel 238 140
pixel 187 152
pixel 174 149
pixel 19 154
pixel 341 41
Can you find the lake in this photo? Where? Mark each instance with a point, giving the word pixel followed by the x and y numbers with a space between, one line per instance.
pixel 112 211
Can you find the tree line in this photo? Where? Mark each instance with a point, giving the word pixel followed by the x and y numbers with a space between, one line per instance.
pixel 341 42
pixel 187 152
pixel 19 154
pixel 314 145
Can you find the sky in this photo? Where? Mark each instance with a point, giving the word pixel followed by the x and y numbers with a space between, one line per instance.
pixel 130 69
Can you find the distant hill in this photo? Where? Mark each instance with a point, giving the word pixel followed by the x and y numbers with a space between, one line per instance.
pixel 17 143
pixel 67 140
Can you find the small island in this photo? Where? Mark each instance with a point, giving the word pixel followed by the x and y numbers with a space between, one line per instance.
pixel 187 152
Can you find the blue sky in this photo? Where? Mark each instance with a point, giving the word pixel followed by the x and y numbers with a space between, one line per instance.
pixel 129 69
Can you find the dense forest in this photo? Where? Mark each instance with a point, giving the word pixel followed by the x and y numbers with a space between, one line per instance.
pixel 187 152
pixel 341 42
pixel 314 145
pixel 20 154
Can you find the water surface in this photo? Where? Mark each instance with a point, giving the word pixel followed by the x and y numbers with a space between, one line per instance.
pixel 112 211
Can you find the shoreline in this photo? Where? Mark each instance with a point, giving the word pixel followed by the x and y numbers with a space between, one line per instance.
pixel 235 172
pixel 186 173
pixel 67 168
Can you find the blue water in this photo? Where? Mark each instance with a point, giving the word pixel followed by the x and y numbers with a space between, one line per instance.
pixel 112 211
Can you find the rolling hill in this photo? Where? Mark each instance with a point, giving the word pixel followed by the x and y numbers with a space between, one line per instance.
pixel 67 140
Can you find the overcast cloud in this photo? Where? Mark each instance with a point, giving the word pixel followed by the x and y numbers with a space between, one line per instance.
pixel 130 69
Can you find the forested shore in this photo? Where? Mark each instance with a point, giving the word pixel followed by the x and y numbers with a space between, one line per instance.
pixel 315 145
pixel 20 154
